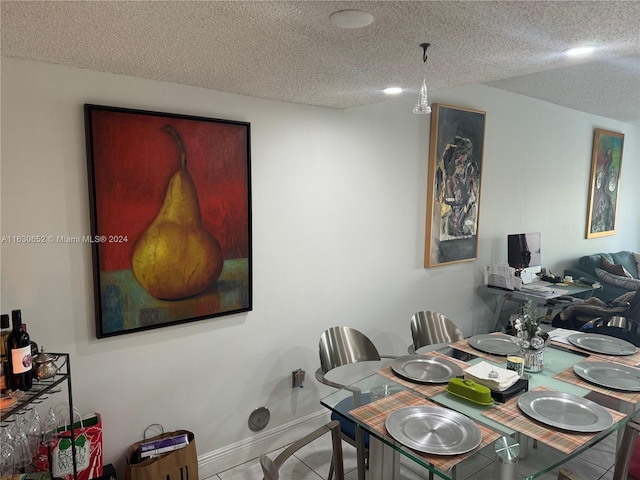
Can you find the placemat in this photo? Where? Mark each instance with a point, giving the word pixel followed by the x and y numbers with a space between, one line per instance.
pixel 569 376
pixel 428 390
pixel 465 347
pixel 510 415
pixel 631 360
pixel 374 415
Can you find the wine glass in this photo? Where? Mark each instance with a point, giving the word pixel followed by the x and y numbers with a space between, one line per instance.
pixel 33 430
pixel 7 453
pixel 49 427
pixel 20 443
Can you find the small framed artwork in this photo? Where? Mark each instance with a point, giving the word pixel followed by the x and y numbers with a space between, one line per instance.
pixel 170 204
pixel 606 163
pixel 453 193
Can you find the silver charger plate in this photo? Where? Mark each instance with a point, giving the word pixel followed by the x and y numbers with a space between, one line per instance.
pixel 425 369
pixel 434 430
pixel 565 411
pixel 495 343
pixel 609 375
pixel 602 344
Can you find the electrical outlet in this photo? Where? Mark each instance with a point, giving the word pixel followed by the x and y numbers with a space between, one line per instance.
pixel 297 378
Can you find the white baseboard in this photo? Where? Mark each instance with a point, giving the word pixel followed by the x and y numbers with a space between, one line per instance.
pixel 217 461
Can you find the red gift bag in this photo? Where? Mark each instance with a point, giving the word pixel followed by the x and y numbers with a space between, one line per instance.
pixel 88 445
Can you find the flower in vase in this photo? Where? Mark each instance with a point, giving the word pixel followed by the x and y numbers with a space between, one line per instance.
pixel 528 327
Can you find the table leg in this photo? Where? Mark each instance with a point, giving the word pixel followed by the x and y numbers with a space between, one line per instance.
pixel 626 408
pixel 625 450
pixel 523 440
pixel 360 453
pixel 497 313
pixel 384 461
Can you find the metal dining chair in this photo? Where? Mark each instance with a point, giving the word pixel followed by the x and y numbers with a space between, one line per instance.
pixel 432 328
pixel 343 346
pixel 271 468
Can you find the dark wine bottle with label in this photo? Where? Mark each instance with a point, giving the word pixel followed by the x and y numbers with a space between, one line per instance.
pixel 19 355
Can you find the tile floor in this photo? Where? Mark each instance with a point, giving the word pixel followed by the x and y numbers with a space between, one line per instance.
pixel 312 463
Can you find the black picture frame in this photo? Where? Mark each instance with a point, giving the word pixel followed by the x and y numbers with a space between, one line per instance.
pixel 170 208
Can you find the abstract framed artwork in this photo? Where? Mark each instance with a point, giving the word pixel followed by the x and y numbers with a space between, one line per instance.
pixel 606 164
pixel 170 204
pixel 454 180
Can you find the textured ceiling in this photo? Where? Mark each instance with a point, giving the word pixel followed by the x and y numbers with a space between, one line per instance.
pixel 290 51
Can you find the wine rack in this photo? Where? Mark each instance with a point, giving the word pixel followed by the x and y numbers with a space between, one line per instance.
pixel 39 391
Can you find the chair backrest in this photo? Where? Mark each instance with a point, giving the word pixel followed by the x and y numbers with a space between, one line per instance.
pixel 344 345
pixel 430 328
pixel 634 307
pixel 270 468
pixel 617 326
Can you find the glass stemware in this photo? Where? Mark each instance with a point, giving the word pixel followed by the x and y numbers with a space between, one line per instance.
pixel 20 443
pixel 7 452
pixel 33 430
pixel 49 427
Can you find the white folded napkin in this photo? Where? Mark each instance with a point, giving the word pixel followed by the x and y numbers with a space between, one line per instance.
pixel 561 334
pixel 479 373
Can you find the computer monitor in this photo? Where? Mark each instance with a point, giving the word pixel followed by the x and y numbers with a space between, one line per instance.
pixel 523 252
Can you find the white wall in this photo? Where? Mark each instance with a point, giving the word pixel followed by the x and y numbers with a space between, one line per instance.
pixel 338 231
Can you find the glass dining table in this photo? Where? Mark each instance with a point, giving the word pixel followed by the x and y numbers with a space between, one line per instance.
pixel 495 420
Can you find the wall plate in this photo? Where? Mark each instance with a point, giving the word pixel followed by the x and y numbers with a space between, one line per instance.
pixel 259 418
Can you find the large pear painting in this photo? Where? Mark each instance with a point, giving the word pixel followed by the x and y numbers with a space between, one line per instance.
pixel 176 257
pixel 170 203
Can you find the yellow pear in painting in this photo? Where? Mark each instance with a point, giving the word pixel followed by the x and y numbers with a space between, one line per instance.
pixel 176 257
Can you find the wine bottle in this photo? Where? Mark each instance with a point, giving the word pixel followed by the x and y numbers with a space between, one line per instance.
pixel 4 333
pixel 19 355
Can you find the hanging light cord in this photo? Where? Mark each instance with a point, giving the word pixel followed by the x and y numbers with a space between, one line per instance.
pixel 423 104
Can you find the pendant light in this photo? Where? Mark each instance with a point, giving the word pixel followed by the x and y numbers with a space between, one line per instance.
pixel 423 104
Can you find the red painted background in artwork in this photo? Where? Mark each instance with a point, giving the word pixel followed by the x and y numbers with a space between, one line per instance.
pixel 133 160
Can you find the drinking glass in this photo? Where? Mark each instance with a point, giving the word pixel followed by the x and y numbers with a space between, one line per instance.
pixel 49 427
pixel 20 443
pixel 33 430
pixel 7 453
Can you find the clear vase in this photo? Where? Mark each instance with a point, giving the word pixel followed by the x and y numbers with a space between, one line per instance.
pixel 533 359
pixel 532 351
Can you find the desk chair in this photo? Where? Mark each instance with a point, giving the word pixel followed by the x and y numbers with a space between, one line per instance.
pixel 270 468
pixel 343 346
pixel 432 328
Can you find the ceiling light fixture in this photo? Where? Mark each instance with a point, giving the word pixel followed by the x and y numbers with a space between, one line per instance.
pixel 392 90
pixel 579 51
pixel 351 19
pixel 423 104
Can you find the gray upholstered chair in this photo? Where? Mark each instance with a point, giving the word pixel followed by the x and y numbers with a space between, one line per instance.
pixel 271 468
pixel 432 328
